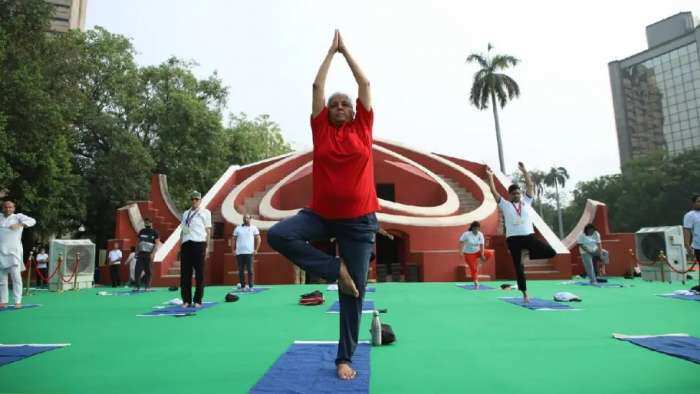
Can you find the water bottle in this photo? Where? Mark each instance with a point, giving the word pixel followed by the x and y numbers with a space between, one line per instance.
pixel 376 329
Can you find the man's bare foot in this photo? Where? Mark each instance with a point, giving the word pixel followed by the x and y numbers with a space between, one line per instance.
pixel 526 299
pixel 3 305
pixel 18 305
pixel 196 305
pixel 345 283
pixel 345 372
pixel 185 305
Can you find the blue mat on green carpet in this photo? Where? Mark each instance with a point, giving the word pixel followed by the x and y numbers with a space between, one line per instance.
pixel 131 292
pixel 686 297
pixel 12 353
pixel 599 284
pixel 537 304
pixel 472 287
pixel 254 290
pixel 308 367
pixel 677 345
pixel 367 307
pixel 177 310
pixel 10 308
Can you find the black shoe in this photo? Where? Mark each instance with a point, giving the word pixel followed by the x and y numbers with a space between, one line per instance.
pixel 314 293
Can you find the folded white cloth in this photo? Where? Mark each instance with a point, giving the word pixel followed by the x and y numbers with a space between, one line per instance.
pixel 565 296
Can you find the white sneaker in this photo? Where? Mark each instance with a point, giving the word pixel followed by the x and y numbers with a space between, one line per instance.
pixel 246 288
pixel 238 286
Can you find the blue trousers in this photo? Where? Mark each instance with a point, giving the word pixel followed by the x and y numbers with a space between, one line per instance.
pixel 291 238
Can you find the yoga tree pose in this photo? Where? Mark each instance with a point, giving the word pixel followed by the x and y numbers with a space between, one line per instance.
pixel 344 201
pixel 520 234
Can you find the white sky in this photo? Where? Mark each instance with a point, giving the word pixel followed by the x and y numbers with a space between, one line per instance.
pixel 267 53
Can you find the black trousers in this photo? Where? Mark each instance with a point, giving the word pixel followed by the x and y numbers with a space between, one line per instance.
pixel 45 272
pixel 537 249
pixel 245 262
pixel 192 258
pixel 143 265
pixel 697 258
pixel 114 275
pixel 292 236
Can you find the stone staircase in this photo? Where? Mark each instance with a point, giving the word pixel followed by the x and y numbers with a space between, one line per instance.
pixel 534 269
pixel 540 269
pixel 467 202
pixel 163 222
pixel 251 204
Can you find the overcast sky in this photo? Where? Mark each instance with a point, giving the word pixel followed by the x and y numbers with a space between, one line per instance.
pixel 267 53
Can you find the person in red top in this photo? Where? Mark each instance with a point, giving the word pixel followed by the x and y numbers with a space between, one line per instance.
pixel 343 204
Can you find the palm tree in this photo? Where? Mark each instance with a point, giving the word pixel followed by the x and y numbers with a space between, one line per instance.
pixel 489 83
pixel 556 177
pixel 537 178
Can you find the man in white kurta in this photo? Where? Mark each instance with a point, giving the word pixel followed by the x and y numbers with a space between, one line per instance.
pixel 11 254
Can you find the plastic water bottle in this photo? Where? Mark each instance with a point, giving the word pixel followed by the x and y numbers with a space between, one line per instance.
pixel 376 329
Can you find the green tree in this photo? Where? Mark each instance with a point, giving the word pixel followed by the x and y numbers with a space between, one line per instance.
pixel 114 164
pixel 251 140
pixel 653 190
pixel 35 102
pixel 557 177
pixel 179 120
pixel 490 83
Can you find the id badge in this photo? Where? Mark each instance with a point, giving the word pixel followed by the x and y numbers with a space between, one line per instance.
pixel 185 231
pixel 518 222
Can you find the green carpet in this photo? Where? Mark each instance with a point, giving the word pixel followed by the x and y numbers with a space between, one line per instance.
pixel 449 341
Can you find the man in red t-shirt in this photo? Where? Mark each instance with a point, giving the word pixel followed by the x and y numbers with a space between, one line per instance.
pixel 343 204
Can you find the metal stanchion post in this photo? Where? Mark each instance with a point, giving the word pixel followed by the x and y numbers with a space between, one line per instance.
pixel 75 271
pixel 59 284
pixel 27 290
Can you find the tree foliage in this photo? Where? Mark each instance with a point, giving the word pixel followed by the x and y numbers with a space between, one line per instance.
pixel 83 127
pixel 654 190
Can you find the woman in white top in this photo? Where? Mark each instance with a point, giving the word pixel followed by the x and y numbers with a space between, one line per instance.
pixel 590 247
pixel 473 251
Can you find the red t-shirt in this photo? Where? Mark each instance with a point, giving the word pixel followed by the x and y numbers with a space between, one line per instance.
pixel 343 168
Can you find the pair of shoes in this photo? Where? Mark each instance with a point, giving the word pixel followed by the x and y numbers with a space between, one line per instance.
pixel 314 293
pixel 313 298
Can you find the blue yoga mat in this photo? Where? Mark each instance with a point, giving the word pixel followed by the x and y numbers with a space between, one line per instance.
pixel 599 284
pixel 254 290
pixel 12 353
pixel 472 287
pixel 9 308
pixel 307 368
pixel 537 304
pixel 681 346
pixel 367 307
pixel 682 297
pixel 367 289
pixel 131 292
pixel 177 310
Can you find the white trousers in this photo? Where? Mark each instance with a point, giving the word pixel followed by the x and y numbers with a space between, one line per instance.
pixel 16 277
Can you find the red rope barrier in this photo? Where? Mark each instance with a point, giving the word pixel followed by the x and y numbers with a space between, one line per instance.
pixel 75 272
pixel 663 259
pixel 45 279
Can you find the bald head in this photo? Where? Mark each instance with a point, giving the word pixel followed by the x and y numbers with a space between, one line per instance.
pixel 8 207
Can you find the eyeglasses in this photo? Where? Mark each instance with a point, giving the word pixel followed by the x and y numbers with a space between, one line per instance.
pixel 195 199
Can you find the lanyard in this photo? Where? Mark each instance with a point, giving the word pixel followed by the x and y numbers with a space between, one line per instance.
pixel 190 216
pixel 518 208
